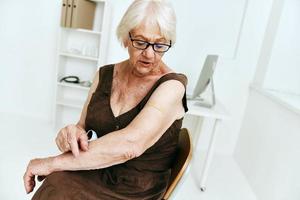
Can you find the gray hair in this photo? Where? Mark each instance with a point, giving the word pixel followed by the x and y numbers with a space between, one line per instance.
pixel 159 12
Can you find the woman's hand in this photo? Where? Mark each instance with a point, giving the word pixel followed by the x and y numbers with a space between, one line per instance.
pixel 72 138
pixel 37 167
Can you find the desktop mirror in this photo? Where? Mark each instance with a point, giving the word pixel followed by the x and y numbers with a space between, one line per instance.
pixel 205 79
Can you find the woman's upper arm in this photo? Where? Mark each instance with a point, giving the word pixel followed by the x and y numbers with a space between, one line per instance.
pixel 93 88
pixel 161 110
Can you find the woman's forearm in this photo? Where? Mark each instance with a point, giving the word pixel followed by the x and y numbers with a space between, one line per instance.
pixel 85 161
pixel 106 151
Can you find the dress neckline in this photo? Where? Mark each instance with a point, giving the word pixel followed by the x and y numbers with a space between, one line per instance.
pixel 140 102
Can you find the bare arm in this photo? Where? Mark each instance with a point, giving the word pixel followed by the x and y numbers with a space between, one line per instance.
pixel 162 109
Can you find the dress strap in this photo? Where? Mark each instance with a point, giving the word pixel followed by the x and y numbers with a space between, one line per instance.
pixel 105 76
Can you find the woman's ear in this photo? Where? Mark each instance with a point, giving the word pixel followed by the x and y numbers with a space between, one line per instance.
pixel 126 43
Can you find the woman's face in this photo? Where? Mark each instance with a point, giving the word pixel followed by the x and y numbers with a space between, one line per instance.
pixel 145 61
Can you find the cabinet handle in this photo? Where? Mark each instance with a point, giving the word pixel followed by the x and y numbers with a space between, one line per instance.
pixel 64 4
pixel 74 6
pixel 69 5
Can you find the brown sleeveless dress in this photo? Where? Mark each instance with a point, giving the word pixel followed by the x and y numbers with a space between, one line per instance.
pixel 144 177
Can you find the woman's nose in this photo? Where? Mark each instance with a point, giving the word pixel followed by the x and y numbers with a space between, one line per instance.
pixel 149 52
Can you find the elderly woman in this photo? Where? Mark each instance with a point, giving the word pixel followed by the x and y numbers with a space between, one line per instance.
pixel 136 108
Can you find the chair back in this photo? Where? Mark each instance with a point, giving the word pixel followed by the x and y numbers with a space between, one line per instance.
pixel 180 166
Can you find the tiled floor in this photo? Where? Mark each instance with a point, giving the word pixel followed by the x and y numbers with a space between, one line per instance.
pixel 25 138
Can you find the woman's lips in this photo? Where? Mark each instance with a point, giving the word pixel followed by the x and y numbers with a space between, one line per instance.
pixel 145 63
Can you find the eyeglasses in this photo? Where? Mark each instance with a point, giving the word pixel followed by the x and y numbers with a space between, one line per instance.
pixel 157 47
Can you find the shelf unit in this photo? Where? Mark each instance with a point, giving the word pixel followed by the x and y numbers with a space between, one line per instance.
pixel 80 53
pixel 73 55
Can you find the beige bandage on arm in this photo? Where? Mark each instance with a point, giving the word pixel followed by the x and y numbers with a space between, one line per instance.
pixel 155 106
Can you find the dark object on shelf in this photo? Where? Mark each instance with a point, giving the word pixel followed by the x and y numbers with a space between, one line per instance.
pixel 70 79
pixel 78 14
pixel 75 80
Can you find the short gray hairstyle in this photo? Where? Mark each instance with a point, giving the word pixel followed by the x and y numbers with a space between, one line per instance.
pixel 159 12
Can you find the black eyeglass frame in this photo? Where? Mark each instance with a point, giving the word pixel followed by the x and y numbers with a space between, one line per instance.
pixel 150 44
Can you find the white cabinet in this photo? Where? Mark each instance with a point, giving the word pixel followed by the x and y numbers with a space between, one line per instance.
pixel 80 53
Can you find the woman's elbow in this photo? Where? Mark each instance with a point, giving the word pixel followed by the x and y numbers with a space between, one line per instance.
pixel 132 151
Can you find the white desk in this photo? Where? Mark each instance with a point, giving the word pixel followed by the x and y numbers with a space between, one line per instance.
pixel 218 113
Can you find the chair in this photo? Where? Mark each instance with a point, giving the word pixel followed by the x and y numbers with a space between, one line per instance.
pixel 180 168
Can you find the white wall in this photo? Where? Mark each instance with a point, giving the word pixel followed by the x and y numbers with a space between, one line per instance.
pixel 268 149
pixel 283 72
pixel 28 40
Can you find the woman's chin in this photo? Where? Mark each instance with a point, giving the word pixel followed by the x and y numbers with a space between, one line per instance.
pixel 144 69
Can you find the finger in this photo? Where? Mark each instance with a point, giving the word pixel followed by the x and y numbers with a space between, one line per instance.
pixel 61 140
pixel 73 144
pixel 83 141
pixel 32 184
pixel 66 147
pixel 29 181
pixel 61 144
pixel 64 144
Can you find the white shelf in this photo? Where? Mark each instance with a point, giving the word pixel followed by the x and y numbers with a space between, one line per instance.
pixel 88 31
pixel 70 103
pixel 73 85
pixel 99 1
pixel 83 31
pixel 66 54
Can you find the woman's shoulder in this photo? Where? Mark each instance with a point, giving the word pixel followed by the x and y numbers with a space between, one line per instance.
pixel 172 75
